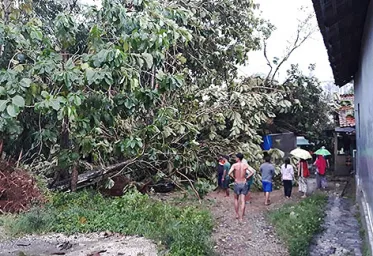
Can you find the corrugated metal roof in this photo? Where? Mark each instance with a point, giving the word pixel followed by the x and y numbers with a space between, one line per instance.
pixel 341 24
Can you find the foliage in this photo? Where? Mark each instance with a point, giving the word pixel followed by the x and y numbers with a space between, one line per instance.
pixel 277 157
pixel 312 115
pixel 297 224
pixel 182 231
pixel 366 249
pixel 154 82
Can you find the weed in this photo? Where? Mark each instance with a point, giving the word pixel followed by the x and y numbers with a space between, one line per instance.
pixel 365 248
pixel 297 224
pixel 180 230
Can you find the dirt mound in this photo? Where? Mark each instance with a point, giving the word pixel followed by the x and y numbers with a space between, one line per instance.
pixel 18 190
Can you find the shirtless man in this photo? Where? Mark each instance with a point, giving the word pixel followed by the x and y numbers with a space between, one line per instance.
pixel 240 173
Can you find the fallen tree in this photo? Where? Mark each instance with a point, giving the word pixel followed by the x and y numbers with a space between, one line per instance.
pixel 155 82
pixel 90 178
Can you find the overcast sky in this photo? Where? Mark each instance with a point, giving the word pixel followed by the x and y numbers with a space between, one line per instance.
pixel 284 15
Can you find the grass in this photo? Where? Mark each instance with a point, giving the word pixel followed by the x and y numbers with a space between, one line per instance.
pixel 176 230
pixel 296 224
pixel 365 248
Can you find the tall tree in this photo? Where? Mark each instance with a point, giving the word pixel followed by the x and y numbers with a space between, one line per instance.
pixel 152 90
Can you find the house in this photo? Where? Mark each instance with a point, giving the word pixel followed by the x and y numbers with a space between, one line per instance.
pixel 303 142
pixel 344 136
pixel 347 29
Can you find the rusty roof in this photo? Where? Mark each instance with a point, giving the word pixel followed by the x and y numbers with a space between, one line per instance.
pixel 341 24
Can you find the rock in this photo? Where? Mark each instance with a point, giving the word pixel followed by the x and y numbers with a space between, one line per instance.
pixel 64 246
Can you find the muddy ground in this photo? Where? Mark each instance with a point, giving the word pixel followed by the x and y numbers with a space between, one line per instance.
pixel 254 237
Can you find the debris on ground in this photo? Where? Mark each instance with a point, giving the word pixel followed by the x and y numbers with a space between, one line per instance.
pixel 18 190
pixel 95 244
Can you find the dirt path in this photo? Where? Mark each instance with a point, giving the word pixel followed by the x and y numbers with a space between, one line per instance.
pixel 255 237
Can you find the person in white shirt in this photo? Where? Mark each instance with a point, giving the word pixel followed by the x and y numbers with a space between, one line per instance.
pixel 287 174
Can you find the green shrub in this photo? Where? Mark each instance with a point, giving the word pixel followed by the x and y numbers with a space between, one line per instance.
pixel 182 231
pixel 37 220
pixel 297 224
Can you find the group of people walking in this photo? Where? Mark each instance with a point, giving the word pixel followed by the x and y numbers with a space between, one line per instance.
pixel 243 176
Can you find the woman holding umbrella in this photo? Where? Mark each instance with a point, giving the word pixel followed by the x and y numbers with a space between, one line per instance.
pixel 321 165
pixel 303 172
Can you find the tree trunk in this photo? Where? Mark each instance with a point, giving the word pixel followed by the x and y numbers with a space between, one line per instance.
pixel 89 178
pixel 62 173
pixel 74 178
pixel 1 147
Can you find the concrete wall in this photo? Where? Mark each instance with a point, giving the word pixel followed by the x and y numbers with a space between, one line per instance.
pixel 364 123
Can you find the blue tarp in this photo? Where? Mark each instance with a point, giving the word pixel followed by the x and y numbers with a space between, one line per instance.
pixel 267 142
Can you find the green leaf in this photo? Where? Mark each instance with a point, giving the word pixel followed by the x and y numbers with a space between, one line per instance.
pixel 134 83
pixel 36 35
pixel 3 105
pixel 2 91
pixel 18 101
pixel 85 66
pixel 148 58
pixel 90 74
pixel 133 144
pixel 55 104
pixel 25 82
pixel 77 101
pixel 12 110
pixel 45 94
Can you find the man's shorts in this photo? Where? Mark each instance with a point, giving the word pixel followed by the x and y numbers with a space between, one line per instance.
pixel 225 183
pixel 267 186
pixel 241 189
pixel 249 183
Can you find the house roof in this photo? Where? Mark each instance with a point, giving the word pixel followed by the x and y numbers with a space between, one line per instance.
pixel 302 141
pixel 341 24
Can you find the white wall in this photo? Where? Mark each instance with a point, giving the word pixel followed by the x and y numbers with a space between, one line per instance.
pixel 364 118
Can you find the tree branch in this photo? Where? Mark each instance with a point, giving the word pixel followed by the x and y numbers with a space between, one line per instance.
pixel 268 62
